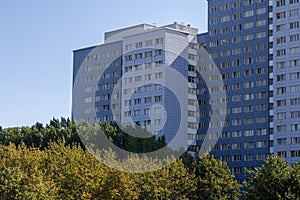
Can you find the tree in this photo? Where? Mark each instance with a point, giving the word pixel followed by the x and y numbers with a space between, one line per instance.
pixel 170 182
pixel 214 180
pixel 270 181
pixel 295 180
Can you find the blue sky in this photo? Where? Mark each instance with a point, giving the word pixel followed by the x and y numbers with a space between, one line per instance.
pixel 37 39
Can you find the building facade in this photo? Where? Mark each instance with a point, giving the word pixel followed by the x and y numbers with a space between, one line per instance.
pixel 238 42
pixel 254 44
pixel 128 80
pixel 285 76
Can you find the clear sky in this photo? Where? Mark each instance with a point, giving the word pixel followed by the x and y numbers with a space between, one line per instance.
pixel 37 39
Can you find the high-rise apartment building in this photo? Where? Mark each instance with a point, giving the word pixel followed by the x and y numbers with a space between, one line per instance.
pixel 285 75
pixel 238 42
pixel 254 45
pixel 128 80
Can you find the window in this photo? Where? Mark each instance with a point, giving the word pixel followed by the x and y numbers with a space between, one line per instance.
pixel 158 75
pixel 158 52
pixel 281 129
pixel 262 22
pixel 294 25
pixel 261 132
pixel 236 39
pixel 295 140
pixel 225 18
pixel 249 133
pixel 237 134
pixel 236 16
pixel 158 98
pixel 248 25
pixel 281 103
pixel 147 77
pixel 248 13
pixel 225 146
pixel 295 101
pixel 294 50
pixel 236 86
pixel 261 107
pixel 295 127
pixel 261 156
pixel 294 63
pixel 294 38
pixel 281 52
pixel 260 70
pixel 261 120
pixel 138 56
pixel 224 41
pixel 294 88
pixel 148 54
pixel 280 3
pixel 295 154
pixel 281 77
pixel 249 145
pixel 225 7
pixel 236 122
pixel 260 11
pixel 248 157
pixel 158 110
pixel 261 95
pixel 137 113
pixel 213 21
pixel 236 4
pixel 280 40
pixel 248 37
pixel 261 35
pixel 280 15
pixel 105 107
pixel 236 62
pixel 248 108
pixel 137 79
pixel 261 144
pixel 236 110
pixel 236 158
pixel 236 170
pixel 138 45
pixel 237 27
pixel 213 9
pixel 294 12
pixel 148 43
pixel 260 47
pixel 281 154
pixel 137 101
pixel 248 121
pixel 249 96
pixel 294 1
pixel 128 58
pixel 261 59
pixel 248 72
pixel 280 27
pixel 236 98
pixel 159 41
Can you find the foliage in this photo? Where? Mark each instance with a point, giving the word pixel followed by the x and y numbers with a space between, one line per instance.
pixel 274 180
pixel 40 136
pixel 59 172
pixel 214 180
